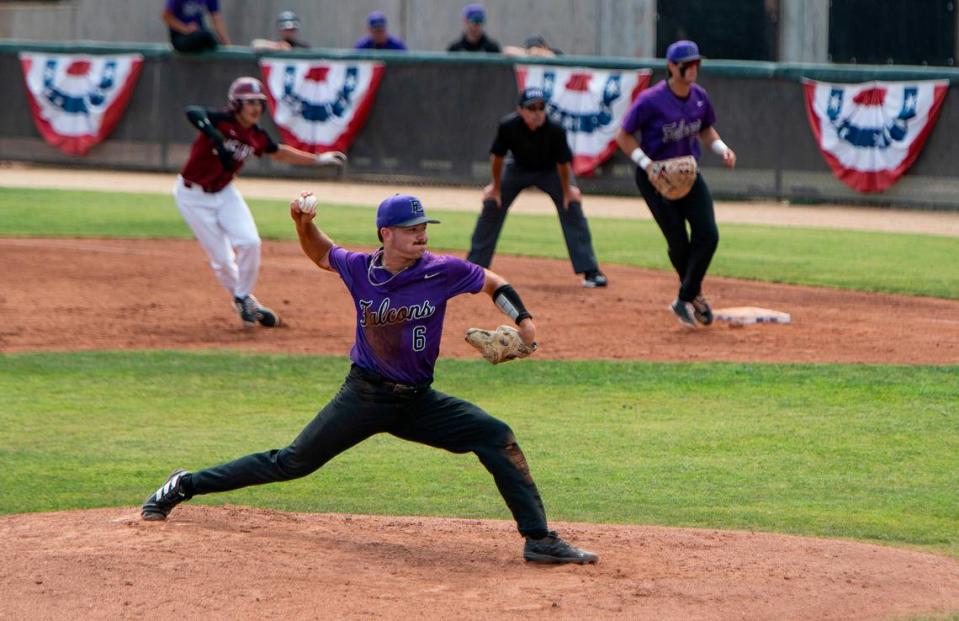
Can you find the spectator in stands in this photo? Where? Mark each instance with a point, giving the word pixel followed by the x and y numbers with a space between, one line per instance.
pixel 474 38
pixel 288 27
pixel 188 32
pixel 378 38
pixel 535 45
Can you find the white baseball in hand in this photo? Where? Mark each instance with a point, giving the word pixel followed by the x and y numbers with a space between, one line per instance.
pixel 306 203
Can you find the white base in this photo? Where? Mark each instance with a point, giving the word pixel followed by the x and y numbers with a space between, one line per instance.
pixel 746 315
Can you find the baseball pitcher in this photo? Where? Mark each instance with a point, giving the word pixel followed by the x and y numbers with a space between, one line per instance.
pixel 400 293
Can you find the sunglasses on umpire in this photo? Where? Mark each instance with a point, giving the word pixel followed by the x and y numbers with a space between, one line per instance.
pixel 536 107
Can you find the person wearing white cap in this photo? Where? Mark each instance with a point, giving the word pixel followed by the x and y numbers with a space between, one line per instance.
pixel 288 28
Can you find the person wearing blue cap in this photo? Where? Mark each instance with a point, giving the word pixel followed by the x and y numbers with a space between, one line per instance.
pixel 539 155
pixel 378 37
pixel 400 292
pixel 474 38
pixel 666 121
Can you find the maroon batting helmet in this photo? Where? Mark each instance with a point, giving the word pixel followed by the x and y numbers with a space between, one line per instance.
pixel 245 89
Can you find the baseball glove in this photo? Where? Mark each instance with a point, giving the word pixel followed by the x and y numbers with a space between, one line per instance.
pixel 499 345
pixel 673 178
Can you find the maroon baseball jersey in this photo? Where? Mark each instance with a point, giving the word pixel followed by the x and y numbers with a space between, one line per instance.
pixel 204 167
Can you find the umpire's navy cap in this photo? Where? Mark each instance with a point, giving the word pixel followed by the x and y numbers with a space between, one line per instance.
pixel 401 210
pixel 682 52
pixel 533 93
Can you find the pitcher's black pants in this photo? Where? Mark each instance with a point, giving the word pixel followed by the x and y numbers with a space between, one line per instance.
pixel 366 405
pixel 690 253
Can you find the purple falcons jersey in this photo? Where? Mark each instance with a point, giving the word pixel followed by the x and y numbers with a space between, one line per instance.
pixel 669 126
pixel 399 318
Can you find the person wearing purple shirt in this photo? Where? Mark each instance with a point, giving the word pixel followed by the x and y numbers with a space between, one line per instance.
pixel 378 38
pixel 670 120
pixel 188 34
pixel 399 294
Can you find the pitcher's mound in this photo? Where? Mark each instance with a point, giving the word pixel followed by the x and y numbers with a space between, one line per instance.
pixel 240 563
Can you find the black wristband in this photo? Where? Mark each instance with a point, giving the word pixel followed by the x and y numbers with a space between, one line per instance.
pixel 509 302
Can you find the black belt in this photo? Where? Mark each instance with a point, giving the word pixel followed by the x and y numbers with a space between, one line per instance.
pixel 396 387
pixel 190 184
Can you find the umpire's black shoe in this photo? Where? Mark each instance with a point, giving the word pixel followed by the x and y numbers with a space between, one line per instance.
pixel 594 278
pixel 159 504
pixel 701 310
pixel 684 312
pixel 552 549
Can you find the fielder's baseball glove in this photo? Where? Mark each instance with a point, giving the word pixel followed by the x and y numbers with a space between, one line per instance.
pixel 499 345
pixel 673 178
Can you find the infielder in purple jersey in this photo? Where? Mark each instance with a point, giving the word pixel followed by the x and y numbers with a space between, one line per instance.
pixel 669 120
pixel 400 293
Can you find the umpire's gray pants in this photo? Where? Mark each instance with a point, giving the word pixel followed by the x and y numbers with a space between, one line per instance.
pixel 579 243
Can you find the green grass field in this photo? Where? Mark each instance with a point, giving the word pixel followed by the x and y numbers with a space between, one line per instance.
pixel 910 264
pixel 836 451
pixel 865 452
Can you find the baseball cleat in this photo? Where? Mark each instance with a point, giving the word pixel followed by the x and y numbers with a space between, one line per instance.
pixel 594 278
pixel 701 310
pixel 685 312
pixel 552 549
pixel 158 505
pixel 252 313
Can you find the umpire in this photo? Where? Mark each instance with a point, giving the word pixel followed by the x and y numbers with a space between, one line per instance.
pixel 539 156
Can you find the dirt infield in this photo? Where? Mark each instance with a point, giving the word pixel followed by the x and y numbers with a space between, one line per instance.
pixel 241 563
pixel 113 294
pixel 232 563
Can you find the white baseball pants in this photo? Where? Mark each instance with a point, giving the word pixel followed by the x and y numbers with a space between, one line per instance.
pixel 224 226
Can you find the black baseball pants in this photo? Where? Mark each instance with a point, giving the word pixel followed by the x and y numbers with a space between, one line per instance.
pixel 367 405
pixel 579 242
pixel 196 41
pixel 690 253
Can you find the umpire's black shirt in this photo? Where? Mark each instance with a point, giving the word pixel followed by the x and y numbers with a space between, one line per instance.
pixel 537 150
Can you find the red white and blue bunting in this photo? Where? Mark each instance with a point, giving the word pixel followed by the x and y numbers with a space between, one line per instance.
pixel 589 103
pixel 77 100
pixel 320 105
pixel 871 133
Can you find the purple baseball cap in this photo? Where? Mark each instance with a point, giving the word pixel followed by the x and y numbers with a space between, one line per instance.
pixel 376 19
pixel 474 13
pixel 682 52
pixel 401 210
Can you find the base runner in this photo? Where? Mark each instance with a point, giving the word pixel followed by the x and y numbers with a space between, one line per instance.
pixel 211 204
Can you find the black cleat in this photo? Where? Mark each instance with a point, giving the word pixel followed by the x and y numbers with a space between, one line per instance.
pixel 701 310
pixel 685 312
pixel 594 278
pixel 251 312
pixel 552 549
pixel 158 505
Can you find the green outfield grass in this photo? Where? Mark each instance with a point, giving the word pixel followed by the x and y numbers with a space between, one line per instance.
pixel 896 263
pixel 867 452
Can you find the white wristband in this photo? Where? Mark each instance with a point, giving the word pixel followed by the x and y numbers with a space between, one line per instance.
pixel 719 147
pixel 642 160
